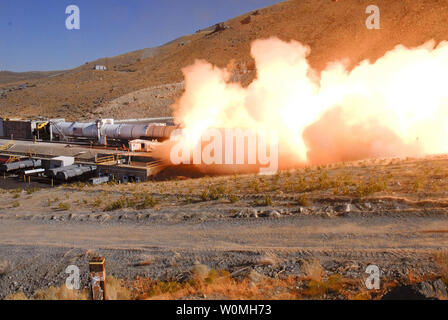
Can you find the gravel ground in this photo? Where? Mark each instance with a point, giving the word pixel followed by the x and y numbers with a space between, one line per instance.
pixel 38 251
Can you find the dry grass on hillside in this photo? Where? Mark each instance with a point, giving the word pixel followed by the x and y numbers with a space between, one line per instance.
pixel 218 284
pixel 333 29
pixel 419 183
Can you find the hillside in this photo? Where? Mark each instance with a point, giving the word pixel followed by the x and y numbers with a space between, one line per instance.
pixel 333 30
pixel 8 76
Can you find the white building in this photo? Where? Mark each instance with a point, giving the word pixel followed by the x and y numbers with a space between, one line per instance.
pixel 100 67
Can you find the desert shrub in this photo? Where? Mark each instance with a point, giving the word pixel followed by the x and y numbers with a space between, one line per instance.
pixel 17 190
pixel 268 259
pixel 214 194
pixel 335 282
pixel 200 271
pixel 163 288
pixel 211 277
pixel 302 200
pixel 316 288
pixel 96 202
pixel 116 290
pixel 266 202
pixel 441 258
pixel 60 293
pixel 117 204
pixel 148 201
pixel 5 267
pixel 79 185
pixel 232 198
pixel 31 190
pixel 255 185
pixel 204 195
pixel 16 296
pixel 64 206
pixel 313 270
pixel 366 189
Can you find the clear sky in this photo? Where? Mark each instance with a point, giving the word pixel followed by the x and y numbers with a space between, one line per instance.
pixel 33 35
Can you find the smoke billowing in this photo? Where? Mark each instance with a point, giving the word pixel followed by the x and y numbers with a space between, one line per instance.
pixel 396 106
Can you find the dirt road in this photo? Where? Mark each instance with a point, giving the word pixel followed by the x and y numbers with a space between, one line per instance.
pixel 390 213
pixel 41 250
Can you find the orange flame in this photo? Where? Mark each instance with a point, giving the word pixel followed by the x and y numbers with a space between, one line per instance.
pixel 397 106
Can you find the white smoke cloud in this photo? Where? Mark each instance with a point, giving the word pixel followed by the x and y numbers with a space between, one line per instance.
pixel 395 106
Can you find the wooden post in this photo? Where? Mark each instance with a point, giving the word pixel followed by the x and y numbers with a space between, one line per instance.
pixel 52 183
pixel 97 268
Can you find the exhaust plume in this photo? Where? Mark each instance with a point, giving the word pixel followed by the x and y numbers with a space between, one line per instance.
pixel 396 106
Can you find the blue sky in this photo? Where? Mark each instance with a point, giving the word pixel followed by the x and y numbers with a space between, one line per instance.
pixel 33 35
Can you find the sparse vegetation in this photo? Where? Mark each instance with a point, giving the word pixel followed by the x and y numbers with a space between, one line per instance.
pixel 5 267
pixel 31 190
pixel 116 290
pixel 96 203
pixel 441 258
pixel 369 188
pixel 266 202
pixel 138 201
pixel 232 198
pixel 64 206
pixel 302 200
pixel 148 201
pixel 117 204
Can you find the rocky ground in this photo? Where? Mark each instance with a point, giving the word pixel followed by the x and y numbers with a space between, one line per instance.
pixel 389 213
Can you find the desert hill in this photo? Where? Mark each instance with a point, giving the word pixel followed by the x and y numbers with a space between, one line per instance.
pixel 8 76
pixel 146 82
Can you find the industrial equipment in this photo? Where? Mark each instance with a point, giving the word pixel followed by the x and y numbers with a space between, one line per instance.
pixel 20 165
pixel 102 131
pixel 73 171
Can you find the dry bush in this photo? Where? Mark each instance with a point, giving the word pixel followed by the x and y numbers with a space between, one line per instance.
pixel 268 258
pixel 200 271
pixel 64 206
pixel 5 267
pixel 441 258
pixel 16 296
pixel 316 288
pixel 219 285
pixel 90 253
pixel 116 290
pixel 363 295
pixel 255 277
pixel 313 270
pixel 60 293
pixel 302 200
pixel 145 260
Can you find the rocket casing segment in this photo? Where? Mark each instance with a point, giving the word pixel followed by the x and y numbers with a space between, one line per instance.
pixel 123 131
